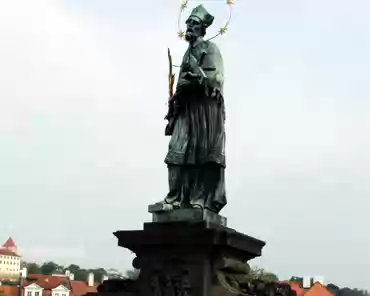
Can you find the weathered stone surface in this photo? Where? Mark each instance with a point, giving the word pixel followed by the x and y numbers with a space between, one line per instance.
pixel 183 258
pixel 189 215
pixel 160 207
pixel 191 259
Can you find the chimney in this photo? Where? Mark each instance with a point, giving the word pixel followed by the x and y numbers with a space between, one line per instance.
pixel 24 272
pixel 71 276
pixel 306 282
pixel 90 280
pixel 67 273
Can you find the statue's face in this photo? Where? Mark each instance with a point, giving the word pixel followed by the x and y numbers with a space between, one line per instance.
pixel 194 28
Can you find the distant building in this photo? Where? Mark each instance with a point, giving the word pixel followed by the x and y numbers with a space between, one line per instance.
pixel 50 285
pixel 306 288
pixel 318 289
pixel 10 260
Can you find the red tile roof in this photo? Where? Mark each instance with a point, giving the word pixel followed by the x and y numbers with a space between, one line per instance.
pixel 318 290
pixel 8 252
pixel 80 288
pixel 296 287
pixel 9 243
pixel 48 282
pixel 9 290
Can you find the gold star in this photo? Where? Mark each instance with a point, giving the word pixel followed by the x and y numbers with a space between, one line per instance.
pixel 229 2
pixel 184 5
pixel 223 30
pixel 181 34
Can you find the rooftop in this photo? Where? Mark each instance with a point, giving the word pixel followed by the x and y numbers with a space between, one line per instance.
pixel 9 244
pixel 8 252
pixel 49 282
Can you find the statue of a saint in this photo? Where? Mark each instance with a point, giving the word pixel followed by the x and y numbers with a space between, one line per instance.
pixel 196 155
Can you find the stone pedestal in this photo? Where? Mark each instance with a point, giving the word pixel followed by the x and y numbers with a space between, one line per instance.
pixel 188 215
pixel 188 257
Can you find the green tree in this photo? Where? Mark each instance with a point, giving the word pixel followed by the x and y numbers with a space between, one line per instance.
pixel 49 268
pixel 99 273
pixel 133 274
pixel 73 268
pixel 333 289
pixel 114 274
pixel 264 275
pixel 351 292
pixel 81 274
pixel 33 268
pixel 296 279
pixel 59 269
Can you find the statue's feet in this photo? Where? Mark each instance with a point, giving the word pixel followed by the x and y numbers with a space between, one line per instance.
pixel 163 206
pixel 196 206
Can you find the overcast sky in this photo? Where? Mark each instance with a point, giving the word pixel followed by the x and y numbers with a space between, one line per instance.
pixel 83 90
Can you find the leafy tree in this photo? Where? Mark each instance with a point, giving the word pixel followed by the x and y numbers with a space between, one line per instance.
pixel 81 274
pixel 133 274
pixel 59 269
pixel 333 289
pixel 99 273
pixel 33 268
pixel 73 268
pixel 49 268
pixel 264 275
pixel 114 274
pixel 351 292
pixel 296 279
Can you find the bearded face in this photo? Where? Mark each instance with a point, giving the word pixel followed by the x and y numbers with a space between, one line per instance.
pixel 194 29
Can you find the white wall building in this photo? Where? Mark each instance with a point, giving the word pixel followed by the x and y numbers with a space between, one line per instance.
pixel 10 260
pixel 33 290
pixel 36 290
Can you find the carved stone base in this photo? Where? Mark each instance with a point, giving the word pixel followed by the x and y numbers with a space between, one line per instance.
pixel 188 215
pixel 188 258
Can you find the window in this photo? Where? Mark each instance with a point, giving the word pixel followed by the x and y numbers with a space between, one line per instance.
pixel 29 293
pixel 37 293
pixel 56 294
pixel 64 295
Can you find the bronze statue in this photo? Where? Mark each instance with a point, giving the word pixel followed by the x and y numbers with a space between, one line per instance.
pixel 196 154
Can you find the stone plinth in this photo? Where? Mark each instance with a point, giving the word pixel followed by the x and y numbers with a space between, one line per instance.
pixel 187 258
pixel 188 215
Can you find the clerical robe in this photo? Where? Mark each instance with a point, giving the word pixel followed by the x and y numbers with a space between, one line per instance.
pixel 196 154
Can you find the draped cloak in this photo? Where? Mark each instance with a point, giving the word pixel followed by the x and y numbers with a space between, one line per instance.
pixel 196 154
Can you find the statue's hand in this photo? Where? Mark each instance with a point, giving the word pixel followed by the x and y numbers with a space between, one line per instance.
pixel 214 93
pixel 191 76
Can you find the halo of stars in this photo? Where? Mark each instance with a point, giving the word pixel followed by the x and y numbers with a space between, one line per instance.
pixel 221 31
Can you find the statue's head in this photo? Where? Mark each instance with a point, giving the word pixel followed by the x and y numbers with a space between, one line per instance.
pixel 197 23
